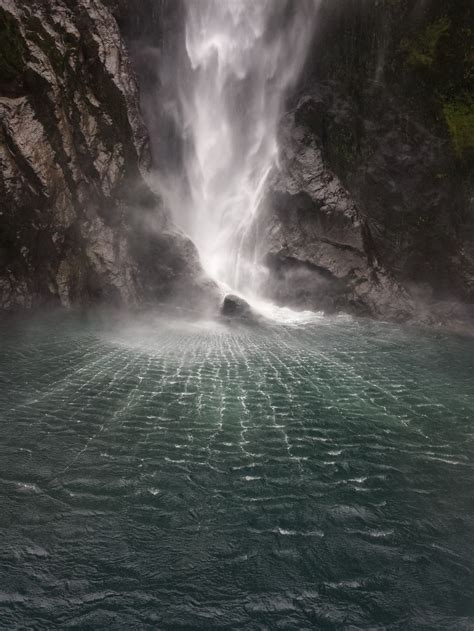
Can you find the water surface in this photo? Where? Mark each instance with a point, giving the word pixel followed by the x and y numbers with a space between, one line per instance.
pixel 170 475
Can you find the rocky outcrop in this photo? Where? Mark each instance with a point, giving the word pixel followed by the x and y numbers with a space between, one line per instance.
pixel 78 221
pixel 372 209
pixel 318 249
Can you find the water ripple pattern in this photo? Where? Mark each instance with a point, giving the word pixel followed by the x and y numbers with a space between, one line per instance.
pixel 169 475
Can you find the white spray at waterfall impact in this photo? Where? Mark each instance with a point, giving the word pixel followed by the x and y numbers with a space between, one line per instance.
pixel 244 56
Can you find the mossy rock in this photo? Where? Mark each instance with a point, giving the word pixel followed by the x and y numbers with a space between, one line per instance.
pixel 421 51
pixel 459 116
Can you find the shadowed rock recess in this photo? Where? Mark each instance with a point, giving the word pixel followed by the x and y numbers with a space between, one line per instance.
pixel 78 223
pixel 371 208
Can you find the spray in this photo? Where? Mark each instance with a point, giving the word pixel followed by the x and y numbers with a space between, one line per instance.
pixel 244 56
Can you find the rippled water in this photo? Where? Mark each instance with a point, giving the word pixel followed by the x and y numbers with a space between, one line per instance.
pixel 159 475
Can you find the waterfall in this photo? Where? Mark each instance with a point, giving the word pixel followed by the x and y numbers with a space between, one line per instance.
pixel 242 58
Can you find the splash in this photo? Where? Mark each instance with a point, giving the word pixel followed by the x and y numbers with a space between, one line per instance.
pixel 243 57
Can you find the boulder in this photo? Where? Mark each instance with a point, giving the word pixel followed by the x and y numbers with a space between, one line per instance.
pixel 238 308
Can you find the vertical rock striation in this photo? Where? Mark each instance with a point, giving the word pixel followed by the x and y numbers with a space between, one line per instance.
pixel 78 222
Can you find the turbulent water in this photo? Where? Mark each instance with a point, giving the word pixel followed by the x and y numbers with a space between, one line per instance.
pixel 315 474
pixel 243 55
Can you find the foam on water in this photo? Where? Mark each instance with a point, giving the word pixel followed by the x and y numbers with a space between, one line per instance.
pixel 283 315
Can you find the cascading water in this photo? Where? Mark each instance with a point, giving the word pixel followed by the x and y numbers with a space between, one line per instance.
pixel 244 55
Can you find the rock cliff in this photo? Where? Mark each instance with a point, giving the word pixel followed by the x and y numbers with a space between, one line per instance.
pixel 313 240
pixel 78 221
pixel 372 208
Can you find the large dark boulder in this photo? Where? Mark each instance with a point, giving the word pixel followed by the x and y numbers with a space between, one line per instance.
pixel 237 308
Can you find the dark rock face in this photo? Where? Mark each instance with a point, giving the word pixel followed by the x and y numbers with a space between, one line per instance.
pixel 155 34
pixel 314 242
pixel 78 221
pixel 372 210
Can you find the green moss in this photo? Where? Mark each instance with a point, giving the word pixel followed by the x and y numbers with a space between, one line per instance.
pixel 12 48
pixel 459 116
pixel 421 52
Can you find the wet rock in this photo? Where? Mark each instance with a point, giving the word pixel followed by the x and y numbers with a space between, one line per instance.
pixel 386 123
pixel 372 210
pixel 236 307
pixel 78 221
pixel 374 236
pixel 314 241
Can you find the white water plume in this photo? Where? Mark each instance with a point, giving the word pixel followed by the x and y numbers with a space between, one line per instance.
pixel 244 55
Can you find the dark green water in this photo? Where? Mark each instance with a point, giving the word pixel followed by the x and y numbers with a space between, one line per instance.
pixel 180 476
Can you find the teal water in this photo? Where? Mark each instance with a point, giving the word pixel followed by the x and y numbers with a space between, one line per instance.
pixel 170 475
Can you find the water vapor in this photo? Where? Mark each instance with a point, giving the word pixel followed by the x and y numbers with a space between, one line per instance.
pixel 243 57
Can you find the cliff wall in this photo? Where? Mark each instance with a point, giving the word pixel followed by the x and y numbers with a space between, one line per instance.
pixel 79 224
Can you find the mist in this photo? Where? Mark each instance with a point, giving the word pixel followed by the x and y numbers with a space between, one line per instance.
pixel 235 65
